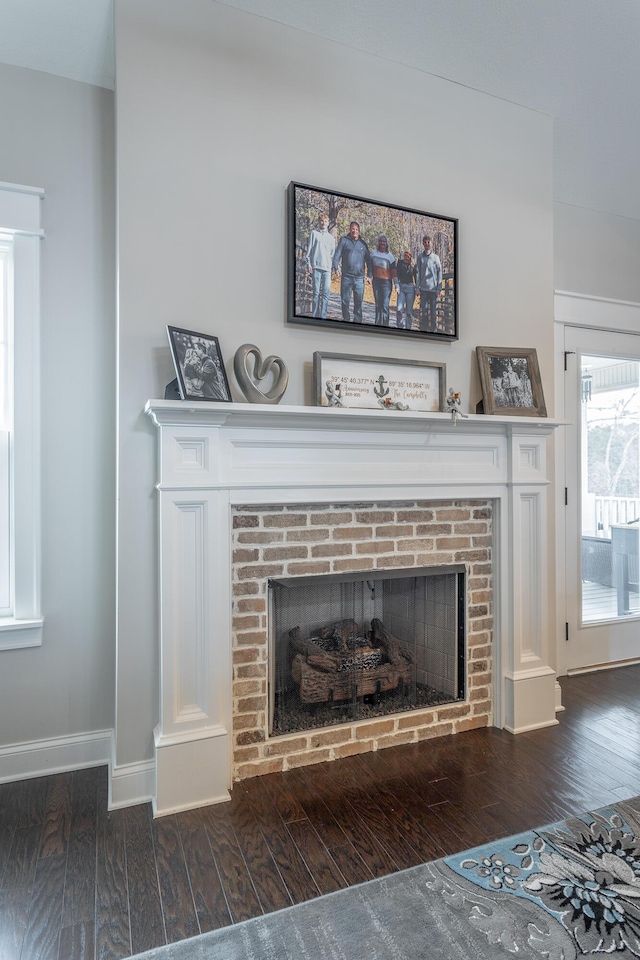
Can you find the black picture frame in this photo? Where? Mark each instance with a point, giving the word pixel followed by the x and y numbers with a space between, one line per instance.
pixel 199 366
pixel 314 295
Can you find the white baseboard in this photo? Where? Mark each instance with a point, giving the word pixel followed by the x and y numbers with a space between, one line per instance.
pixel 131 783
pixel 40 758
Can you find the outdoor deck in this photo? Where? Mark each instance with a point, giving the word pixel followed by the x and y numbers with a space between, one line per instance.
pixel 599 602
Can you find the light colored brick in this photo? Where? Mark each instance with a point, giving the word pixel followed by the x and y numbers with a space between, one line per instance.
pixel 259 768
pixel 331 519
pixel 374 729
pixel 470 556
pixel 479 653
pixel 414 544
pixel 481 596
pixel 250 520
pixel 416 719
pixel 482 541
pixel 482 706
pixel 243 688
pixel 332 550
pixel 246 589
pixel 351 749
pixel 306 759
pixel 478 610
pixel 470 723
pixel 246 655
pixel 259 571
pixel 481 568
pixel 285 520
pixel 300 569
pixel 481 693
pixel 397 739
pixel 436 730
pixel 251 638
pixel 251 605
pixel 453 543
pixel 433 529
pixel 278 748
pixel 260 536
pixel 477 527
pixel 249 722
pixel 395 530
pixel 359 563
pixel 310 536
pixel 453 513
pixel 353 533
pixel 376 546
pixel 451 713
pixel 251 704
pixel 475 639
pixel 245 753
pixel 479 680
pixel 328 737
pixel 414 516
pixel 245 555
pixel 404 560
pixel 245 622
pixel 285 553
pixel 374 516
pixel 434 558
pixel 249 670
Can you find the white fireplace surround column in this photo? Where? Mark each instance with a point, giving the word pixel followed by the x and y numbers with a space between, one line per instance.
pixel 213 456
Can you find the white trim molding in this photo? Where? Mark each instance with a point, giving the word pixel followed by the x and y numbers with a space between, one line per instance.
pixel 263 454
pixel 40 758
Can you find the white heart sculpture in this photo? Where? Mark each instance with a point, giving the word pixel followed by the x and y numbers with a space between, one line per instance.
pixel 261 369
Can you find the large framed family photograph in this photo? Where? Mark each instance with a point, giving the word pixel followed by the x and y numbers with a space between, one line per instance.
pixel 368 265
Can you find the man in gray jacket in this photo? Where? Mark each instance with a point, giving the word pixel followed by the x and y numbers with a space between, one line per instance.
pixel 429 283
pixel 350 261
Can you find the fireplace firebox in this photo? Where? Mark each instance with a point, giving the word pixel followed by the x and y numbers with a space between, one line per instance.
pixel 364 645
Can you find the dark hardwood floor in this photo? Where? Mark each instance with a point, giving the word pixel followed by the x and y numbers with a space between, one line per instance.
pixel 78 883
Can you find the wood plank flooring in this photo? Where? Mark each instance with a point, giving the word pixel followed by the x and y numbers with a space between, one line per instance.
pixel 79 883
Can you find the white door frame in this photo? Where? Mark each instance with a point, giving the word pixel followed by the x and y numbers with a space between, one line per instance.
pixel 577 310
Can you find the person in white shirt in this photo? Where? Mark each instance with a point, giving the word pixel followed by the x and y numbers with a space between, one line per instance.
pixel 320 251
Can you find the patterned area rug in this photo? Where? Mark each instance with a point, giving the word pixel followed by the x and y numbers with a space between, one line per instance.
pixel 559 892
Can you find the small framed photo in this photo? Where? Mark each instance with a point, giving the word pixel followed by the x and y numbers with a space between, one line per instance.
pixel 363 265
pixel 510 381
pixel 199 367
pixel 375 383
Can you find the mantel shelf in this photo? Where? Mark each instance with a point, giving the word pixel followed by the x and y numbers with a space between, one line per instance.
pixel 184 412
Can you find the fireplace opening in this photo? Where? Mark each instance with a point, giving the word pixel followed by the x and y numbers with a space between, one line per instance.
pixel 364 645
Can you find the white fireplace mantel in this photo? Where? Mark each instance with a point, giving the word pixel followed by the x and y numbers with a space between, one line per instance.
pixel 213 456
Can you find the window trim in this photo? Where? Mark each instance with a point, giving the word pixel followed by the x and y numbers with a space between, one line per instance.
pixel 20 217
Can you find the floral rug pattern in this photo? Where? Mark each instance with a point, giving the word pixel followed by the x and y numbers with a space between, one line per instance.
pixel 583 872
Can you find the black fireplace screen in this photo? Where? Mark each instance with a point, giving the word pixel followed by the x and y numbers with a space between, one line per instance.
pixel 364 645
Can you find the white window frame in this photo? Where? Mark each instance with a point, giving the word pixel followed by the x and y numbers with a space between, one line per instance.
pixel 20 223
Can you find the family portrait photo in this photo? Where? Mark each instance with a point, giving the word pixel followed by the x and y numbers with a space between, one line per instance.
pixel 198 364
pixel 370 264
pixel 510 381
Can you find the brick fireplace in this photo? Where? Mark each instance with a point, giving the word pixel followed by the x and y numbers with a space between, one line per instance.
pixel 250 492
pixel 326 539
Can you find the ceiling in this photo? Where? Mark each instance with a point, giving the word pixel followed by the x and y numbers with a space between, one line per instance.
pixel 577 60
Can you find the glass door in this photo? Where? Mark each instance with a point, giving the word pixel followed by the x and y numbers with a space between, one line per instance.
pixel 603 497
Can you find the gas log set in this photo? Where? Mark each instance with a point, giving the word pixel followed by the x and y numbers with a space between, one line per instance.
pixel 343 660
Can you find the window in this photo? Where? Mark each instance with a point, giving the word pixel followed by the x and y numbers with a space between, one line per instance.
pixel 20 236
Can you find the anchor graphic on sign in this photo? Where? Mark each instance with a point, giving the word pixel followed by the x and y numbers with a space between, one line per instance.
pixel 381 391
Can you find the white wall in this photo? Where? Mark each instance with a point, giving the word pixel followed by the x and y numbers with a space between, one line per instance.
pixel 58 134
pixel 596 254
pixel 217 111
